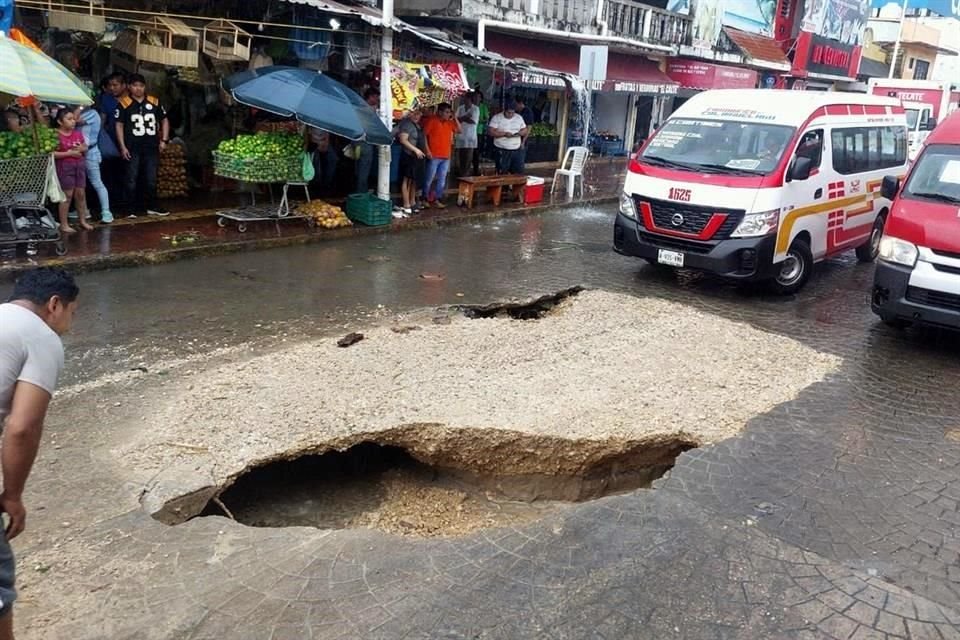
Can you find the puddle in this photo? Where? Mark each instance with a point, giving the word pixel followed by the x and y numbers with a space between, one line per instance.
pixel 434 490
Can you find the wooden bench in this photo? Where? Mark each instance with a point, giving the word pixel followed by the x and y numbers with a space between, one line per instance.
pixel 494 186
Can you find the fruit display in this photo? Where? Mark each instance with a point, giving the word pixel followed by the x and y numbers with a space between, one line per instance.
pixel 172 174
pixel 19 145
pixel 262 157
pixel 543 130
pixel 326 215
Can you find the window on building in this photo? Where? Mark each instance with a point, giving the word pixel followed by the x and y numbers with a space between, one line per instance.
pixel 861 149
pixel 921 69
pixel 912 61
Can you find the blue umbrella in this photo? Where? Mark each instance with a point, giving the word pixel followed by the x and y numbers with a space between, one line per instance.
pixel 310 97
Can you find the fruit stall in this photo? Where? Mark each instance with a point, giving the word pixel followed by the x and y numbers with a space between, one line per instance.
pixel 266 158
pixel 543 143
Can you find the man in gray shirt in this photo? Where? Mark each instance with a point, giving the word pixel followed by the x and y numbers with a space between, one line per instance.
pixel 31 358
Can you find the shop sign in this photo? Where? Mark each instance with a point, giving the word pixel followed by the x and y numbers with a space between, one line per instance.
pixel 537 79
pixel 829 56
pixel 703 75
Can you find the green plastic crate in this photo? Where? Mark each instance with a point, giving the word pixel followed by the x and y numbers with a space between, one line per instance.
pixel 368 209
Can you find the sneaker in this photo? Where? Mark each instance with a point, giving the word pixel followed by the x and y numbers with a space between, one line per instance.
pixel 106 217
pixel 132 215
pixel 439 205
pixel 157 212
pixel 425 204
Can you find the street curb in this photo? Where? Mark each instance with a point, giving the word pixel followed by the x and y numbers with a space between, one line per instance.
pixel 160 256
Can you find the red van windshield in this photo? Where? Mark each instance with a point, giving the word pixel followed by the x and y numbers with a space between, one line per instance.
pixel 937 175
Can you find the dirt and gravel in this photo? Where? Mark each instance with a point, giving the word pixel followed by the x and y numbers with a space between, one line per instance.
pixel 601 368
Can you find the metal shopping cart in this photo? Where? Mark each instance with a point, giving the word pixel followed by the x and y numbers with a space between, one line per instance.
pixel 24 183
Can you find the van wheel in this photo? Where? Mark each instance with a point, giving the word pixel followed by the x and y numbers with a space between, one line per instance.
pixel 869 250
pixel 795 269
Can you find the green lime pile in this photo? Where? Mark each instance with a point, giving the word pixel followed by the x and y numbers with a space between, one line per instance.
pixel 20 145
pixel 542 130
pixel 263 157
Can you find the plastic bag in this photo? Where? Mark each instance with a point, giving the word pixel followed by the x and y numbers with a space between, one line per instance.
pixel 309 173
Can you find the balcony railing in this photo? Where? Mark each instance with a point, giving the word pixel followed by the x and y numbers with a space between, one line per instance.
pixel 571 12
pixel 647 24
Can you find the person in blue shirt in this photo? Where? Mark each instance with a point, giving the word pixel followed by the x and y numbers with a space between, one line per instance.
pixel 113 87
pixel 91 122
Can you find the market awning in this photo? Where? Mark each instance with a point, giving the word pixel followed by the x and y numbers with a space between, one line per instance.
pixel 697 75
pixel 625 73
pixel 762 51
pixel 369 15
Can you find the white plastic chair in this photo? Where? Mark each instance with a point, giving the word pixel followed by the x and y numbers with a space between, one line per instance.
pixel 576 157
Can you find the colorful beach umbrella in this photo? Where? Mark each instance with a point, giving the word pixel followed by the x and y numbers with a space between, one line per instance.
pixel 27 72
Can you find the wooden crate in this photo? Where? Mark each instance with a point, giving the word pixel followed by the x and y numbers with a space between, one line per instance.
pixel 73 18
pixel 223 40
pixel 162 40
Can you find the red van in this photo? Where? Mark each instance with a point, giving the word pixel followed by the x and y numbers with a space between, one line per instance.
pixel 918 274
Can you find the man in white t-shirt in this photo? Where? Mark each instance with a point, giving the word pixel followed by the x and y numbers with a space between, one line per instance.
pixel 508 130
pixel 31 358
pixel 468 115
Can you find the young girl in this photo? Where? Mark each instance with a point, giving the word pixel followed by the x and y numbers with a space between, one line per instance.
pixel 71 169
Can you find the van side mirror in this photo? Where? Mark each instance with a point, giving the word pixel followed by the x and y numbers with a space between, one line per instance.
pixel 930 124
pixel 800 169
pixel 890 187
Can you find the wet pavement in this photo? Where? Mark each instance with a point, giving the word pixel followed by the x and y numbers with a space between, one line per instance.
pixel 195 229
pixel 833 516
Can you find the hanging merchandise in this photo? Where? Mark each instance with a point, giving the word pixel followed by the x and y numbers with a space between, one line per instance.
pixel 418 84
pixel 6 16
pixel 260 59
pixel 310 44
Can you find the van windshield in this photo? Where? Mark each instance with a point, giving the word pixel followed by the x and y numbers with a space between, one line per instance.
pixel 718 146
pixel 937 175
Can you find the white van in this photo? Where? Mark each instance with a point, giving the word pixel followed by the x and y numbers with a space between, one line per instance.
pixel 759 184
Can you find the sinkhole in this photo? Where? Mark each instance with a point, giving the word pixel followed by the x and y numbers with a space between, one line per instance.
pixel 435 490
pixel 534 309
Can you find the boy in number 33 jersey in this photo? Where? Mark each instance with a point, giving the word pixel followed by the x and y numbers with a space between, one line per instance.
pixel 143 131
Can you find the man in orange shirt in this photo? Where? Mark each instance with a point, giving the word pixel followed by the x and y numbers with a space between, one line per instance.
pixel 439 132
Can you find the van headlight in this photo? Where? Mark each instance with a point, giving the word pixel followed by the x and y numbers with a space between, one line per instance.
pixel 758 224
pixel 898 251
pixel 627 206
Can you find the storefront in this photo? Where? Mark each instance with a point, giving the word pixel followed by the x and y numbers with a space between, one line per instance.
pixel 618 111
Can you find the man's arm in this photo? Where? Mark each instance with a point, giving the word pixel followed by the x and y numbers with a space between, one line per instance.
pixel 164 132
pixel 21 440
pixel 120 141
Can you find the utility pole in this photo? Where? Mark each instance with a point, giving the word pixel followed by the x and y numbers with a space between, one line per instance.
pixel 386 98
pixel 896 46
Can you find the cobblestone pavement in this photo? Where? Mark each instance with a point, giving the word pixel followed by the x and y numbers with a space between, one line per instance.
pixel 833 516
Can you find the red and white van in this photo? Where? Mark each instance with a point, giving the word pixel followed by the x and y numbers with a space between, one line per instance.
pixel 918 274
pixel 758 184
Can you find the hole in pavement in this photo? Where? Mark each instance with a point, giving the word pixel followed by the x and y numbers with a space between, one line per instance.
pixel 534 309
pixel 443 492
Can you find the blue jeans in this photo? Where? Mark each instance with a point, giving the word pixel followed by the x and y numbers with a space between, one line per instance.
pixel 365 166
pixel 94 159
pixel 437 167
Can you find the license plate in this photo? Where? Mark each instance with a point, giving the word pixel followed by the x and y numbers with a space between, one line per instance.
pixel 671 258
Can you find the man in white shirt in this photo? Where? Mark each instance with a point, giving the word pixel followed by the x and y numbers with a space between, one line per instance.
pixel 468 115
pixel 31 358
pixel 508 130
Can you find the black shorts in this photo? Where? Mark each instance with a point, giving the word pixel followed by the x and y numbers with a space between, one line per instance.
pixel 412 168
